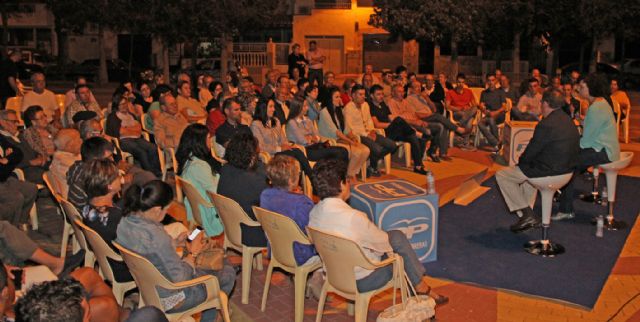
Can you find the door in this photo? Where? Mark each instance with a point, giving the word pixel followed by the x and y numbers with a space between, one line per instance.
pixel 381 52
pixel 333 48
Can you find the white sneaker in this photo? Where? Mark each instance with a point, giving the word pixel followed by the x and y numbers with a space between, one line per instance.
pixel 563 216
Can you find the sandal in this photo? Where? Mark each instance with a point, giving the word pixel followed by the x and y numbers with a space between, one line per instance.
pixel 439 299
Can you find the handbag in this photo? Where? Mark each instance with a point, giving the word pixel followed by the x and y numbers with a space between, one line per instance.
pixel 211 257
pixel 417 308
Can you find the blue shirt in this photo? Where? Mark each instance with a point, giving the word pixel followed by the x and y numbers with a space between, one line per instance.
pixel 295 206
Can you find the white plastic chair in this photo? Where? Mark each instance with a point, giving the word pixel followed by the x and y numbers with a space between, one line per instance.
pixel 611 170
pixel 67 230
pixel 72 214
pixel 33 213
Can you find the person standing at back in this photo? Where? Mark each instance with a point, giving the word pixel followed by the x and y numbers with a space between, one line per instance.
pixel 316 59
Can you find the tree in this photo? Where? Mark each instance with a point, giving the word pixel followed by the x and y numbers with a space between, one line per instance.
pixel 430 20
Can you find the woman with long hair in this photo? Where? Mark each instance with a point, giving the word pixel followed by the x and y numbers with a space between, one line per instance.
pixel 331 125
pixel 300 130
pixel 141 232
pixel 271 139
pixel 197 165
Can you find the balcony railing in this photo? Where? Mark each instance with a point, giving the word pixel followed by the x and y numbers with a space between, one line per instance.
pixel 333 4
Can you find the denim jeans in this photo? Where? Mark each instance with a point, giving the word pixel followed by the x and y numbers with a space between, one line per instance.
pixel 489 128
pixel 412 265
pixel 197 294
pixel 379 148
pixel 144 152
pixel 587 158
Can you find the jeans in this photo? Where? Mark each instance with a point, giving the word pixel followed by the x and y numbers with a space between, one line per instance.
pixel 465 117
pixel 15 246
pixel 400 130
pixel 144 152
pixel 17 197
pixel 379 148
pixel 587 158
pixel 412 266
pixel 316 74
pixel 489 128
pixel 197 294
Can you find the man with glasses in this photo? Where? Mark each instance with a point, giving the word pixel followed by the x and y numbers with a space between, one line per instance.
pixel 33 164
pixel 83 102
pixel 42 97
pixel 529 104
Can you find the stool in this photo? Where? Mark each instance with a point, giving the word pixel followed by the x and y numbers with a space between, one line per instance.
pixel 547 187
pixel 594 197
pixel 611 170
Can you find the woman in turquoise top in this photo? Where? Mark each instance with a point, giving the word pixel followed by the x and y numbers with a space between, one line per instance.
pixel 197 165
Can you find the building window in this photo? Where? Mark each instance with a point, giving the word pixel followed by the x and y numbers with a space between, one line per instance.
pixel 333 4
pixel 365 3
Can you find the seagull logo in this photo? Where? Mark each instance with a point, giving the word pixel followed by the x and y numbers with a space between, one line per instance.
pixel 410 229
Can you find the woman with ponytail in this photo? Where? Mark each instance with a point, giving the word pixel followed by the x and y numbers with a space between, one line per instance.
pixel 141 231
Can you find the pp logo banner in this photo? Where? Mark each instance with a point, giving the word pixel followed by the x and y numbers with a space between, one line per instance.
pixel 416 219
pixel 520 141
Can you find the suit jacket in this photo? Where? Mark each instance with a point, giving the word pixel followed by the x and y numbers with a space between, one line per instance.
pixel 28 153
pixel 554 148
pixel 13 159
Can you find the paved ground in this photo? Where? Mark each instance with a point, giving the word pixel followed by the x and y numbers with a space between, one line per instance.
pixel 619 300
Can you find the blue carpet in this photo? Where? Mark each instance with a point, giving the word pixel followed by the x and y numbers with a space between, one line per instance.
pixel 476 246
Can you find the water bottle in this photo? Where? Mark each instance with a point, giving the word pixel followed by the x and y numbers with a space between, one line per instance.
pixel 600 226
pixel 431 183
pixel 604 197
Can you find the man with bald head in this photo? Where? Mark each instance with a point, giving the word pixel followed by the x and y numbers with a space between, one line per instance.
pixel 170 124
pixel 67 143
pixel 552 151
pixel 41 96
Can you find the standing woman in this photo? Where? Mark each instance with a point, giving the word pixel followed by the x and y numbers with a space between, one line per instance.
pixel 332 126
pixel 271 139
pixel 197 165
pixel 300 130
pixel 297 61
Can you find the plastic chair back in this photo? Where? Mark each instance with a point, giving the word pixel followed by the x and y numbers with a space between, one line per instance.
pixel 100 249
pixel 281 231
pixel 60 98
pixel 72 214
pixel 232 215
pixel 477 92
pixel 195 199
pixel 53 185
pixel 340 256
pixel 15 104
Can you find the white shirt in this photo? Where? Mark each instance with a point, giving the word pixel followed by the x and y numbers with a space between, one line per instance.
pixel 47 100
pixel 357 120
pixel 335 216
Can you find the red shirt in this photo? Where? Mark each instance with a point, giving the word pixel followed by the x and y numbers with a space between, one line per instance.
pixel 214 120
pixel 460 100
pixel 345 98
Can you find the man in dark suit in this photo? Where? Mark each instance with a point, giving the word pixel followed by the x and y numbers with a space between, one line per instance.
pixel 552 151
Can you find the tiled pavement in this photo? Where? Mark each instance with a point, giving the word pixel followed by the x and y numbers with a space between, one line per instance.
pixel 468 302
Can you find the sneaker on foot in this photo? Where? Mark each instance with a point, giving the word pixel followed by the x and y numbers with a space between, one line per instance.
pixel 563 216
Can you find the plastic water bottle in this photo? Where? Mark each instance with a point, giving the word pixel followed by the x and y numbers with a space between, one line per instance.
pixel 604 200
pixel 600 226
pixel 431 183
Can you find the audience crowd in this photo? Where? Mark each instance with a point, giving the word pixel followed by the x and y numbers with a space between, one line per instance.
pixel 258 146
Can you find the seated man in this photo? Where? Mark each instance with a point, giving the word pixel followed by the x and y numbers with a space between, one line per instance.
pixel 170 124
pixel 571 104
pixel 463 105
pixel 358 123
pixel 400 108
pixel 231 126
pixel 188 106
pixel 493 105
pixel 435 92
pixel 552 151
pixel 42 97
pixel 33 164
pixel 333 215
pixel 509 92
pixel 282 104
pixel 71 96
pixel 528 108
pixel 599 142
pixel 82 103
pixel 396 129
pixel 67 143
pixel 81 297
pixel 16 197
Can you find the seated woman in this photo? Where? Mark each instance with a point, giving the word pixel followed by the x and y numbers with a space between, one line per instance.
pixel 243 179
pixel 141 231
pixel 101 183
pixel 331 126
pixel 332 214
pixel 38 134
pixel 300 130
pixel 284 197
pixel 197 165
pixel 271 139
pixel 123 125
